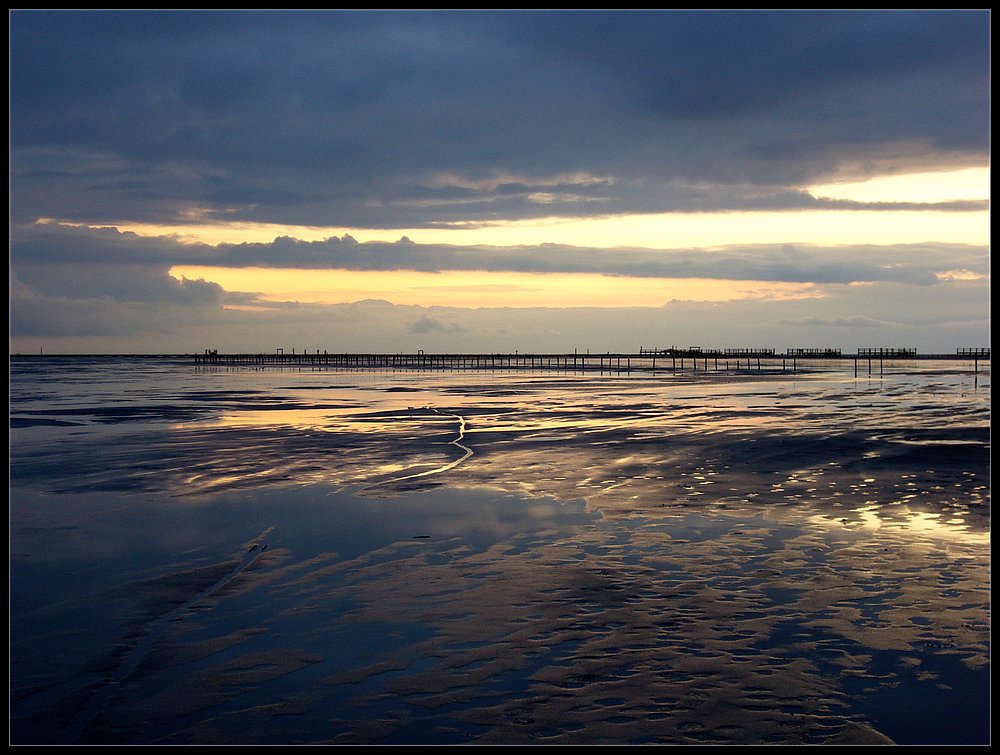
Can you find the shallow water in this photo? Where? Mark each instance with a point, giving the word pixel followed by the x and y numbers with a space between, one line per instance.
pixel 300 556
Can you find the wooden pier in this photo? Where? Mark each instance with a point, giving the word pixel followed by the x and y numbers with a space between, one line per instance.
pixel 693 359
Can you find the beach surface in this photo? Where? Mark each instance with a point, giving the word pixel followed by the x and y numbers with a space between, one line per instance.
pixel 302 557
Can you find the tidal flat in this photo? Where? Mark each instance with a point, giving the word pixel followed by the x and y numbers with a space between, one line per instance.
pixel 241 556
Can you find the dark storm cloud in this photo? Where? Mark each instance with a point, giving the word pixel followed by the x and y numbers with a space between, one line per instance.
pixel 107 300
pixel 53 243
pixel 121 282
pixel 398 119
pixel 95 263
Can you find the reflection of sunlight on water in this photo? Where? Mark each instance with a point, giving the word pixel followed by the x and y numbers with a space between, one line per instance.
pixel 384 469
pixel 935 526
pixel 529 403
pixel 724 419
pixel 204 483
pixel 655 439
pixel 922 525
pixel 302 419
pixel 934 442
pixel 323 420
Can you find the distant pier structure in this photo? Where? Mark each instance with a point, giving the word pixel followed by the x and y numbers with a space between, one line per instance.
pixel 649 360
pixel 815 353
pixel 887 353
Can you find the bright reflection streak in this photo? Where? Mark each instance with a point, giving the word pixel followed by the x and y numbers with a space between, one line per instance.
pixel 300 419
pixel 921 524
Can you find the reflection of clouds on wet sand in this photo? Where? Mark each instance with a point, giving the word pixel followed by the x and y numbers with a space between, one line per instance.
pixel 682 629
pixel 617 561
pixel 676 625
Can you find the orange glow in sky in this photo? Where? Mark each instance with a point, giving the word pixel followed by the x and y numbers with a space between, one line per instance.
pixel 934 186
pixel 676 230
pixel 485 289
pixel 651 231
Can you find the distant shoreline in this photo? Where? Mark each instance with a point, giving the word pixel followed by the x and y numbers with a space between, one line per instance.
pixel 959 354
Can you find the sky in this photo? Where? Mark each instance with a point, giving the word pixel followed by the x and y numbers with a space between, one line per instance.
pixel 492 181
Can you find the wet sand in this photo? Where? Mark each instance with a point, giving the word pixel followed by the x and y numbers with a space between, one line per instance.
pixel 524 560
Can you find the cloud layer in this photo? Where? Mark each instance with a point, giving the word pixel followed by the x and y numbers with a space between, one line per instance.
pixel 445 120
pixel 113 291
pixel 922 264
pixel 407 119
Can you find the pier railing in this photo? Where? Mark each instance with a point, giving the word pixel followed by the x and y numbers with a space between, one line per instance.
pixel 887 353
pixel 819 353
pixel 695 359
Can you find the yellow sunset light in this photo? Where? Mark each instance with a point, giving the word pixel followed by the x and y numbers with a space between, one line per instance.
pixel 934 186
pixel 485 289
pixel 656 231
